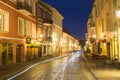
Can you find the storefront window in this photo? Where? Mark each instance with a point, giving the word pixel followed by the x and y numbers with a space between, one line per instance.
pixel 10 51
pixel 7 51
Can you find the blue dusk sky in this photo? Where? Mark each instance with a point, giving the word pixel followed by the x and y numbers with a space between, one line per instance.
pixel 75 13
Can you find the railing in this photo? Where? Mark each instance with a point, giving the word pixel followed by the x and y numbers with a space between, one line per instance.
pixel 92 24
pixel 24 5
pixel 48 21
pixel 49 39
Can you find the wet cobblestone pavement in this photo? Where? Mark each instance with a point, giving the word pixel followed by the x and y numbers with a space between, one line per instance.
pixel 71 67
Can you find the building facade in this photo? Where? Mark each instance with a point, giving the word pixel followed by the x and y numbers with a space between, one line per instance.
pixel 45 30
pixel 30 29
pixel 106 27
pixel 57 31
pixel 69 42
pixel 16 23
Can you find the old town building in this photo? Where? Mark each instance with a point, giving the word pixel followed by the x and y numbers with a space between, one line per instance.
pixel 44 15
pixel 69 42
pixel 57 31
pixel 106 23
pixel 16 23
pixel 30 29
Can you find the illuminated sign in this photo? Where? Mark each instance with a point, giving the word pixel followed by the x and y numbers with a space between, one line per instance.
pixel 28 40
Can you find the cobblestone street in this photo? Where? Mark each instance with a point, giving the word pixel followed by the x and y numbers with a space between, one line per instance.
pixel 71 67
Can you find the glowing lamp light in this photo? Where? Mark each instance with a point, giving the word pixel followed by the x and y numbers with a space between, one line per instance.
pixel 94 36
pixel 87 42
pixel 118 13
pixel 54 39
pixel 41 35
pixel 64 41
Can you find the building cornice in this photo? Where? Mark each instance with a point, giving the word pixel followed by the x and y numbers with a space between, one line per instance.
pixel 16 10
pixel 57 26
pixel 57 13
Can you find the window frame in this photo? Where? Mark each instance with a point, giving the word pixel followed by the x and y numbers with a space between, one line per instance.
pixel 22 33
pixel 5 27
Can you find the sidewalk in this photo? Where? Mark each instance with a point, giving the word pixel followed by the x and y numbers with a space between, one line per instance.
pixel 103 74
pixel 12 69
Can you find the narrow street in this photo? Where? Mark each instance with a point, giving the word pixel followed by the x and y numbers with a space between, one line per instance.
pixel 70 67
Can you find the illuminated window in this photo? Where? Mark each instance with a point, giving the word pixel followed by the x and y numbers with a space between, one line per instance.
pixel 33 30
pixel 1 21
pixel 21 26
pixel 4 21
pixel 28 28
pixel 28 1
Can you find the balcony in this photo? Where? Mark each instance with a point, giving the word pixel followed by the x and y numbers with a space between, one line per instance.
pixel 92 24
pixel 92 40
pixel 49 39
pixel 47 21
pixel 24 7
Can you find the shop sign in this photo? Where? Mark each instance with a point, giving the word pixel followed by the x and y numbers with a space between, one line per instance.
pixel 28 40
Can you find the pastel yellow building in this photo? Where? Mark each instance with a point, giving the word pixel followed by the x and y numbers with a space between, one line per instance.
pixel 69 42
pixel 106 27
pixel 56 31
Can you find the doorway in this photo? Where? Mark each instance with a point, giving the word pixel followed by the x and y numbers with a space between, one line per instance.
pixel 18 53
pixel 40 51
pixel 108 50
pixel 4 57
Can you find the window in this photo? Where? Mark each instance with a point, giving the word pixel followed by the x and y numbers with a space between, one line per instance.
pixel 1 21
pixel 39 13
pixel 44 14
pixel 118 3
pixel 4 20
pixel 33 30
pixel 28 1
pixel 28 28
pixel 21 26
pixel 107 21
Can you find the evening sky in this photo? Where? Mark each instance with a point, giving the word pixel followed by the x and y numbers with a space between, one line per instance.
pixel 75 13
